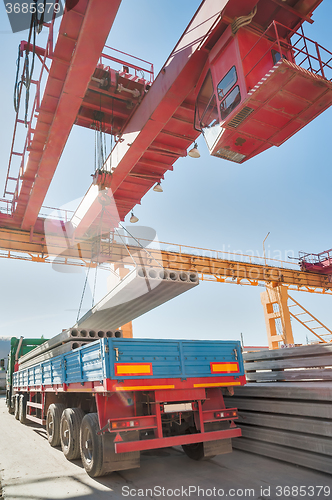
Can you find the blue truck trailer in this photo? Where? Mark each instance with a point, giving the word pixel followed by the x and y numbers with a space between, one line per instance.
pixel 111 399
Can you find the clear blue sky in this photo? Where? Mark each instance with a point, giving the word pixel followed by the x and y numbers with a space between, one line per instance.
pixel 207 202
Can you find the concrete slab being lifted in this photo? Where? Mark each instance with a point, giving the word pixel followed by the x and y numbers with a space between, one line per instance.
pixel 137 293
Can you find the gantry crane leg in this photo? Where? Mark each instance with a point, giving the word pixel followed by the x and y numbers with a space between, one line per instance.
pixel 275 305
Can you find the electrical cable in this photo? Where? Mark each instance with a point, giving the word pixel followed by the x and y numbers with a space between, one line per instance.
pixel 99 234
pixel 28 74
pixel 36 26
pixel 95 152
pixel 83 293
pixel 94 287
pixel 16 86
pixel 41 20
pixel 241 21
pixel 112 131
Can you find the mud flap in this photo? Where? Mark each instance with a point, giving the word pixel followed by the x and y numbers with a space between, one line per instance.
pixel 119 461
pixel 220 446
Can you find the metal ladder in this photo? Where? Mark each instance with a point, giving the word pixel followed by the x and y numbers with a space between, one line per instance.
pixel 324 336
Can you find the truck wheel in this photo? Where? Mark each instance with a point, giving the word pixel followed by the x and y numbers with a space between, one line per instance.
pixel 9 403
pixel 194 451
pixel 70 426
pixel 22 409
pixel 16 406
pixel 199 451
pixel 91 446
pixel 53 419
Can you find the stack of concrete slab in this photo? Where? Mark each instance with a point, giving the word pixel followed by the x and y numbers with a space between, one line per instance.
pixel 286 412
pixel 64 342
pixel 55 351
pixel 140 291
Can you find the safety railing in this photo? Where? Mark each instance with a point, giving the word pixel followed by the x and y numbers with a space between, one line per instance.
pixel 129 62
pixel 50 213
pixel 60 214
pixel 5 206
pixel 251 257
pixel 306 53
pixel 315 258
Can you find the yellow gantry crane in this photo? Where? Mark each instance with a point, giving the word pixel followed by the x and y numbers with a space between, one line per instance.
pixel 278 276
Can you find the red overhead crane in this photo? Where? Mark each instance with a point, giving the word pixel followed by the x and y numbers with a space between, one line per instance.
pixel 243 74
pixel 317 262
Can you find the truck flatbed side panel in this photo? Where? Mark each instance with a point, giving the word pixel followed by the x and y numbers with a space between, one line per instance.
pixel 85 365
pixel 173 359
pixel 140 359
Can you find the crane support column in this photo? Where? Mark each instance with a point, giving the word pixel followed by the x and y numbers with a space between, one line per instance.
pixel 277 295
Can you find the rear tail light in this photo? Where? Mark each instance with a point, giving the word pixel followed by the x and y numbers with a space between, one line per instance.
pixel 225 414
pixel 124 424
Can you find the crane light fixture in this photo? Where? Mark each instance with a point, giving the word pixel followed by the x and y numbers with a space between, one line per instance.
pixel 158 188
pixel 194 153
pixel 133 218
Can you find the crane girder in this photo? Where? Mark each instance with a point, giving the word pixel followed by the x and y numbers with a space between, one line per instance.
pixel 80 42
pixel 144 135
pixel 20 244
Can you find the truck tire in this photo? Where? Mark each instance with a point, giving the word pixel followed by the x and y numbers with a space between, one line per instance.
pixel 194 451
pixel 70 426
pixel 91 446
pixel 53 419
pixel 9 402
pixel 16 406
pixel 22 409
pixel 204 451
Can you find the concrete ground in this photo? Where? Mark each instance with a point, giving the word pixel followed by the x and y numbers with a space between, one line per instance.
pixel 31 470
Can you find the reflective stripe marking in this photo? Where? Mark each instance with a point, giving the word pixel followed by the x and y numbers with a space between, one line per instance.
pixel 217 384
pixel 224 367
pixel 144 387
pixel 133 369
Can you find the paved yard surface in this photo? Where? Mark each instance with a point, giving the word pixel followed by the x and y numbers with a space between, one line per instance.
pixel 31 470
